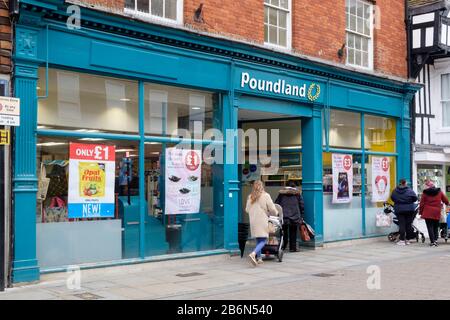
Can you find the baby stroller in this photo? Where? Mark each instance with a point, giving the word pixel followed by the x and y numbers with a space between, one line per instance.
pixel 394 236
pixel 274 244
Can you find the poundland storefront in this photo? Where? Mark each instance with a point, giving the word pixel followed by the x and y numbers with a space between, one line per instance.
pixel 95 168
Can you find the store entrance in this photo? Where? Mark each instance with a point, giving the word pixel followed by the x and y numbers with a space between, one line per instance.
pixel 283 147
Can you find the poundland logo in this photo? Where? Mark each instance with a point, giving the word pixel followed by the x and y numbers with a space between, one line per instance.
pixel 312 93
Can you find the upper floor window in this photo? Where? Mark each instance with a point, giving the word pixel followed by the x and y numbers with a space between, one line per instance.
pixel 445 99
pixel 359 33
pixel 277 22
pixel 168 10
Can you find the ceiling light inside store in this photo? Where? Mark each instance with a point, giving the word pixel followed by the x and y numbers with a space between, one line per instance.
pixel 125 150
pixel 42 127
pixel 38 88
pixel 133 155
pixel 125 99
pixel 157 153
pixel 340 124
pixel 86 130
pixel 196 108
pixel 371 128
pixel 51 144
pixel 153 143
pixel 92 139
pixel 291 147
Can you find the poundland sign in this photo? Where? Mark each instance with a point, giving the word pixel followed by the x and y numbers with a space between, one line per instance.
pixel 283 87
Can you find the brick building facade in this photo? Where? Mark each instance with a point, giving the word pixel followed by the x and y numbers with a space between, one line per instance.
pixel 5 39
pixel 311 23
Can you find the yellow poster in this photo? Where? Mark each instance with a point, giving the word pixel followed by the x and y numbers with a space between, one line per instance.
pixel 92 179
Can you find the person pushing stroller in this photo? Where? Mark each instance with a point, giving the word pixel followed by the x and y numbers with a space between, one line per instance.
pixel 291 200
pixel 404 198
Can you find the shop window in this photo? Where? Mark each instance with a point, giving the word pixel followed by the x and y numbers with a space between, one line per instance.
pixel 345 130
pixel 431 172
pixel 199 192
pixel 375 183
pixel 445 100
pixel 169 10
pixel 359 33
pixel 170 111
pixel 342 215
pixel 277 22
pixel 379 134
pixel 85 102
pixel 93 232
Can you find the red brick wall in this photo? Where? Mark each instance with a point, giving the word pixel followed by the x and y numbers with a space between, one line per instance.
pixel 5 39
pixel 390 48
pixel 243 19
pixel 318 27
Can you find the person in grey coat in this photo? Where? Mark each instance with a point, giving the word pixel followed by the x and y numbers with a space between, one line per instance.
pixel 291 200
pixel 404 206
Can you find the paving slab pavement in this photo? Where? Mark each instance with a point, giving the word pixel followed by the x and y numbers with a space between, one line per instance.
pixel 331 273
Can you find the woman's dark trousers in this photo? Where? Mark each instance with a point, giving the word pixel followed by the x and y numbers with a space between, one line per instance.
pixel 433 229
pixel 405 220
pixel 290 236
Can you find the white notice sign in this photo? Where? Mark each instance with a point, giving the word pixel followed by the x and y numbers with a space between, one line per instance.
pixel 9 111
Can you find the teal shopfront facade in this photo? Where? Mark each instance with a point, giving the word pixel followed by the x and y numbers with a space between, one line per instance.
pixel 115 81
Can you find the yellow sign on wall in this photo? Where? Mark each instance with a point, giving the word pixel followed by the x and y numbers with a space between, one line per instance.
pixel 4 137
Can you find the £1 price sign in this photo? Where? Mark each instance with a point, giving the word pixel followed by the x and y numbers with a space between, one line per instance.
pixel 91 181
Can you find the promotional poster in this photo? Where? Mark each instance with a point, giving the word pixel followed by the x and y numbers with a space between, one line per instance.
pixel 91 181
pixel 342 178
pixel 183 181
pixel 380 179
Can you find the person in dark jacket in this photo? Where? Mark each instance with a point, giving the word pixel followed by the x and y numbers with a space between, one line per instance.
pixel 404 206
pixel 291 200
pixel 430 209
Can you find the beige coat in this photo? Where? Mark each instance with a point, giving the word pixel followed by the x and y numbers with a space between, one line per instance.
pixel 259 215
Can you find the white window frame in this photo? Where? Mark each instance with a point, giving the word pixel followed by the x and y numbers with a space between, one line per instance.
pixel 149 16
pixel 443 126
pixel 370 38
pixel 288 26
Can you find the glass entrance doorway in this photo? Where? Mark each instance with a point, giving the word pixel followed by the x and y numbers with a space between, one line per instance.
pixel 270 150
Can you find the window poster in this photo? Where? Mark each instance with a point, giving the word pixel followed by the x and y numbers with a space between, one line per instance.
pixel 183 181
pixel 91 181
pixel 342 178
pixel 380 179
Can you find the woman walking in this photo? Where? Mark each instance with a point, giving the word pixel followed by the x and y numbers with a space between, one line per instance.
pixel 259 207
pixel 430 209
pixel 291 200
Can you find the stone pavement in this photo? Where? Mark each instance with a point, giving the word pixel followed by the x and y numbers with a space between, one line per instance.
pixel 336 272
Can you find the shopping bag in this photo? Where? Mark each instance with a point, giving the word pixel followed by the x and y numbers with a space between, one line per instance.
pixel 443 216
pixel 383 220
pixel 44 182
pixel 304 234
pixel 56 211
pixel 311 231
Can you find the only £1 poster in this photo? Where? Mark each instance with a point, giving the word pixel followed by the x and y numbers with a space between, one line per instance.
pixel 342 178
pixel 380 179
pixel 91 181
pixel 183 181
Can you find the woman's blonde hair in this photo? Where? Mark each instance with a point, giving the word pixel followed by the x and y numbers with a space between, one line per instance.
pixel 257 191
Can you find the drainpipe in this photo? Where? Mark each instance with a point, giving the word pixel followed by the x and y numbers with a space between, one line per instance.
pixel 412 104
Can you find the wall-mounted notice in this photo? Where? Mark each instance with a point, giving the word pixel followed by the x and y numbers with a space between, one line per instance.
pixel 91 181
pixel 183 181
pixel 342 178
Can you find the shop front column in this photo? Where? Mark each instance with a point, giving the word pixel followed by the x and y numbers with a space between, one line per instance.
pixel 404 141
pixel 231 178
pixel 25 183
pixel 312 186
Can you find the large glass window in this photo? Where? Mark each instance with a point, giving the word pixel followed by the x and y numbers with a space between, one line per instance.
pixel 379 134
pixel 167 232
pixel 91 109
pixel 171 111
pixel 345 130
pixel 277 24
pixel 359 33
pixel 62 240
pixel 445 99
pixel 170 10
pixel 85 102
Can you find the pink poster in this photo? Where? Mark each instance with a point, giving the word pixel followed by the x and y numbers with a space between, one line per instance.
pixel 380 179
pixel 342 178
